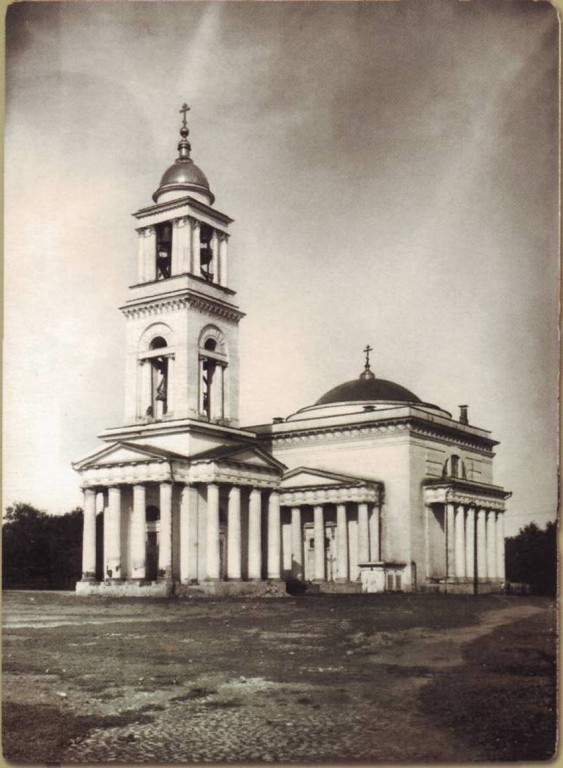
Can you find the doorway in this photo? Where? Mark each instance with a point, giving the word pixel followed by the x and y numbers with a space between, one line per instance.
pixel 152 556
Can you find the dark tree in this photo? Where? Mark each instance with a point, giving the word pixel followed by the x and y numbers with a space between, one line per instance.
pixel 531 558
pixel 40 551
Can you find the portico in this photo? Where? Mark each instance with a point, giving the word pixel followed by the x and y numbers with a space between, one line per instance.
pixel 464 530
pixel 217 516
pixel 331 525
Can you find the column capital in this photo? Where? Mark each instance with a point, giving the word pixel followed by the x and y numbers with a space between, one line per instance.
pixel 194 223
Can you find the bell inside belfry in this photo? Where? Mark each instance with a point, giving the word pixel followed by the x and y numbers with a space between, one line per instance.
pixel 163 251
pixel 206 253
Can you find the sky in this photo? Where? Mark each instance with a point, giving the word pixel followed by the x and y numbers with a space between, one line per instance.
pixel 392 171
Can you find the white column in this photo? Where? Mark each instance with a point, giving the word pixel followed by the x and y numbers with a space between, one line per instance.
pixel 195 247
pixel 500 547
pixel 138 534
pixel 214 266
pixel 450 549
pixel 185 535
pixel 374 534
pixel 223 269
pixel 428 560
pixel 296 543
pixel 165 540
pixel 89 536
pixel 470 544
pixel 319 544
pixel 150 254
pixel 491 544
pixel 114 534
pixel 234 535
pixel 175 256
pixel 213 554
pixel 482 544
pixel 342 542
pixel 255 535
pixel 141 263
pixel 460 542
pixel 274 536
pixel 363 533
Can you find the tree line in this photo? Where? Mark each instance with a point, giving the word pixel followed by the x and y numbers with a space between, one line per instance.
pixel 41 551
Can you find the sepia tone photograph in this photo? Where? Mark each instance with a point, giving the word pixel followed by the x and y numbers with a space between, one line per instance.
pixel 280 382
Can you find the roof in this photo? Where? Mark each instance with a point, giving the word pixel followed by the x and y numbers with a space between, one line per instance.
pixel 370 388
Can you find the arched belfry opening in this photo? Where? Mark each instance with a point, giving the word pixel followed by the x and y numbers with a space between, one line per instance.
pixel 154 384
pixel 213 364
pixel 159 379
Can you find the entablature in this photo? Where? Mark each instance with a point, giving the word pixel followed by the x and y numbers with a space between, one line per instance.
pixel 182 206
pixel 370 494
pixel 465 492
pixel 179 300
pixel 406 426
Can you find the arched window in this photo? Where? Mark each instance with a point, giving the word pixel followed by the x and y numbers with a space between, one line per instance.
pixel 159 379
pixel 152 514
pixel 155 359
pixel 213 363
pixel 454 467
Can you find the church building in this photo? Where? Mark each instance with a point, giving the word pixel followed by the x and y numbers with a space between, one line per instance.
pixel 368 489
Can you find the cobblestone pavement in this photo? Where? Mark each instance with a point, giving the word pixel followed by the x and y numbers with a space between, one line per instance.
pixel 261 721
pixel 314 681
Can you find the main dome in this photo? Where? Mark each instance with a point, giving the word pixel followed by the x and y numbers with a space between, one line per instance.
pixel 368 388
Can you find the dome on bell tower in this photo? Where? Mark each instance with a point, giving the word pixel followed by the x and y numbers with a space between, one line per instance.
pixel 184 176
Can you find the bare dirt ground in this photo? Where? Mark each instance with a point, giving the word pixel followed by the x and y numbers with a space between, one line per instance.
pixel 378 678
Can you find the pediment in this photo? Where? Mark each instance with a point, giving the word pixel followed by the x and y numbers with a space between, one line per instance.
pixel 246 454
pixel 308 477
pixel 123 453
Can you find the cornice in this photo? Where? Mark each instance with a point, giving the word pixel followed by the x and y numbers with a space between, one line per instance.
pixel 479 497
pixel 408 425
pixel 181 202
pixel 234 474
pixel 338 495
pixel 129 473
pixel 207 306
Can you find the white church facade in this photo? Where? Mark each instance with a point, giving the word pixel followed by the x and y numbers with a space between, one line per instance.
pixel 369 489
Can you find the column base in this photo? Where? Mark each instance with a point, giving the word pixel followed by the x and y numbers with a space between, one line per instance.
pixel 242 588
pixel 124 589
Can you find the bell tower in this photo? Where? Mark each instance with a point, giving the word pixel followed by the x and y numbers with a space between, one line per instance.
pixel 182 323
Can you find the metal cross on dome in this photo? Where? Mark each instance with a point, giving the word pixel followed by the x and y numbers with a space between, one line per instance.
pixel 367 350
pixel 184 111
